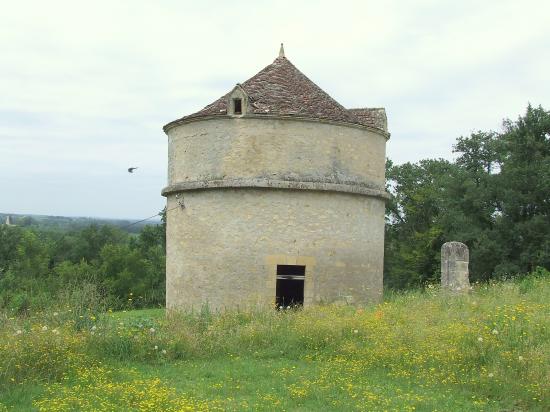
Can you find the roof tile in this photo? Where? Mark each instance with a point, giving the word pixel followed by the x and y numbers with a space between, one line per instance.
pixel 281 89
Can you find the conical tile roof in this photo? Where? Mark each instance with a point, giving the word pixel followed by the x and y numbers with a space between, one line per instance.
pixel 281 89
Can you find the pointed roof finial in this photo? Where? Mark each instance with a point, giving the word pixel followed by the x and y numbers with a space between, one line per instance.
pixel 282 51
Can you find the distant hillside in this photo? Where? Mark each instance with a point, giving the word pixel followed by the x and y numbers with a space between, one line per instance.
pixel 67 224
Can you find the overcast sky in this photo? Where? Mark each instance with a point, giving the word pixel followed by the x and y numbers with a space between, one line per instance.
pixel 86 86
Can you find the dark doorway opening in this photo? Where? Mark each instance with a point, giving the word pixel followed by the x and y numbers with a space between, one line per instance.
pixel 290 285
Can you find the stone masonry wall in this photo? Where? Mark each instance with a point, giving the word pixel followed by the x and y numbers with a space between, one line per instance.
pixel 223 247
pixel 292 150
pixel 265 191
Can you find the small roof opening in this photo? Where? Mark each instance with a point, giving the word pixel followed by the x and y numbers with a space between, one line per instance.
pixel 237 106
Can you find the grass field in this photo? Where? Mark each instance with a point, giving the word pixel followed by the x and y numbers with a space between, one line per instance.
pixel 423 351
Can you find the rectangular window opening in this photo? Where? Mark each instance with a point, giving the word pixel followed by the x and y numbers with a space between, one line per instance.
pixel 290 286
pixel 237 106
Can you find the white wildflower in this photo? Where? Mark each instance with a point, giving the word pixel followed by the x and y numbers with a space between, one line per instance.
pixel 494 332
pixel 55 331
pixel 164 351
pixel 490 375
pixel 355 331
pixel 480 339
pixel 94 327
pixel 520 358
pixel 152 330
pixel 55 313
pixel 156 347
pixel 18 332
pixel 44 328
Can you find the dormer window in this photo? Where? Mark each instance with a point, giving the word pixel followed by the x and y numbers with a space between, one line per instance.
pixel 237 106
pixel 237 102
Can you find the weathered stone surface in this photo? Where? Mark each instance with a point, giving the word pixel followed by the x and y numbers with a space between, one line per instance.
pixel 279 150
pixel 276 184
pixel 293 178
pixel 223 248
pixel 259 190
pixel 454 267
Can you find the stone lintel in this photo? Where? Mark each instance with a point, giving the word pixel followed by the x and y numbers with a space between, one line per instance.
pixel 276 184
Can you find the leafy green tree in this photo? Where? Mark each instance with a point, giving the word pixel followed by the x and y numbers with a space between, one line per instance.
pixel 32 256
pixel 88 243
pixel 524 191
pixel 495 198
pixel 10 236
pixel 69 272
pixel 413 232
pixel 125 270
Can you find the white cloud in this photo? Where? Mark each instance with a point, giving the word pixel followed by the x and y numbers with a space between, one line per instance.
pixel 85 87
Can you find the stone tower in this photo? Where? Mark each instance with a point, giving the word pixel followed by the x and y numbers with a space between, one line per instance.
pixel 275 196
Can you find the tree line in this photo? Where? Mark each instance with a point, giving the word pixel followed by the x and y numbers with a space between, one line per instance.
pixel 495 197
pixel 37 264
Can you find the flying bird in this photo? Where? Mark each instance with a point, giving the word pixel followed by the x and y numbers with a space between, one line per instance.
pixel 131 169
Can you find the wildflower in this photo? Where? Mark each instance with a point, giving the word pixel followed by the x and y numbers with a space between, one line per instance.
pixel 480 339
pixel 55 331
pixel 490 375
pixel 44 328
pixel 18 332
pixel 494 332
pixel 520 358
pixel 94 327
pixel 156 347
pixel 55 313
pixel 164 351
pixel 430 286
pixel 355 331
pixel 152 330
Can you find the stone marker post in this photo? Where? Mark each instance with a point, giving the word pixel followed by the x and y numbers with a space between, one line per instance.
pixel 454 267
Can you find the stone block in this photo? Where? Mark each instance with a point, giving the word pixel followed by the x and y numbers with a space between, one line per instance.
pixel 454 267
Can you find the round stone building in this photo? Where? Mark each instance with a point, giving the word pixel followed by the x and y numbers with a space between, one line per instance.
pixel 275 196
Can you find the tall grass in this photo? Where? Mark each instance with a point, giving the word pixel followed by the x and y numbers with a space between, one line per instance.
pixel 493 342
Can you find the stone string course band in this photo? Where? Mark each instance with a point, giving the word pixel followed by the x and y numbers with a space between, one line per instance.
pixel 275 184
